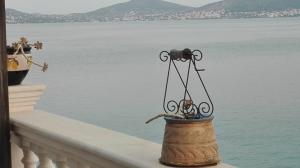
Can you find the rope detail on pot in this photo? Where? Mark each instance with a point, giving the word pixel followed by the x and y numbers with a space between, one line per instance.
pixel 177 116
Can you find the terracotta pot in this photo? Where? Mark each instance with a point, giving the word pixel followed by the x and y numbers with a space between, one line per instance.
pixel 189 143
pixel 18 67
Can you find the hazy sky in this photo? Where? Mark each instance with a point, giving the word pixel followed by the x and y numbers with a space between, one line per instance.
pixel 73 6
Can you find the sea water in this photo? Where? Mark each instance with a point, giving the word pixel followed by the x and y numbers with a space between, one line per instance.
pixel 110 75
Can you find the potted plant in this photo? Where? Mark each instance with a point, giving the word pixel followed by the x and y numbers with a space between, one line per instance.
pixel 19 60
pixel 189 138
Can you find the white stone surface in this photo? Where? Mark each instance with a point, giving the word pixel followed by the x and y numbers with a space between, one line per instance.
pixel 22 98
pixel 84 143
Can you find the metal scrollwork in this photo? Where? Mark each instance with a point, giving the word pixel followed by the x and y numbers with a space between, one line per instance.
pixel 197 55
pixel 186 106
pixel 204 109
pixel 164 56
pixel 172 107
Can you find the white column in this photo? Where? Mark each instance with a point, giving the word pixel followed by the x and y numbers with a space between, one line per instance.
pixel 44 159
pixel 61 162
pixel 16 151
pixel 28 159
pixel 16 156
pixel 83 165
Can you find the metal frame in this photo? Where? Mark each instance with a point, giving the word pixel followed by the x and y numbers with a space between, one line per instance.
pixel 5 153
pixel 186 105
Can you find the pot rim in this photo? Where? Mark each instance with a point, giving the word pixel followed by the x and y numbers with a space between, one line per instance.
pixel 19 54
pixel 11 50
pixel 187 121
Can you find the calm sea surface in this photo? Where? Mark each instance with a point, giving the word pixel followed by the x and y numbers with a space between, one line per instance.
pixel 109 74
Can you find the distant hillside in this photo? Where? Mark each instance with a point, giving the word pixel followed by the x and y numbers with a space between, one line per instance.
pixel 260 5
pixel 252 5
pixel 132 10
pixel 15 16
pixel 137 8
pixel 213 6
pixel 145 10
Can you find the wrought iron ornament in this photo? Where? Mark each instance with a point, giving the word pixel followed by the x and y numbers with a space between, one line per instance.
pixel 186 105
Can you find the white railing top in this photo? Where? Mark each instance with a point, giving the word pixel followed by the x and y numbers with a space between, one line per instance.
pixel 92 144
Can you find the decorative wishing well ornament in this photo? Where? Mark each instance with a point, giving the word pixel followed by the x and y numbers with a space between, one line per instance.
pixel 189 138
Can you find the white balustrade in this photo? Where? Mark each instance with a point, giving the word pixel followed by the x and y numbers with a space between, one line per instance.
pixel 47 140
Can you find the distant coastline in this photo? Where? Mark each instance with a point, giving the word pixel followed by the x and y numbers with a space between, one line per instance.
pixel 144 10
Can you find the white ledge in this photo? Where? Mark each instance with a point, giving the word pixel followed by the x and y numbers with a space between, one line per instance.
pixel 99 146
pixel 24 97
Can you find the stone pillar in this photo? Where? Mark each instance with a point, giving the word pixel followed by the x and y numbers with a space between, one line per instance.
pixel 22 98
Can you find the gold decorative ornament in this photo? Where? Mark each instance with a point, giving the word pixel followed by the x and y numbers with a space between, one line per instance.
pixel 12 63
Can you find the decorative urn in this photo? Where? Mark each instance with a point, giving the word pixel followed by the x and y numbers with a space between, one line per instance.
pixel 189 138
pixel 19 60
